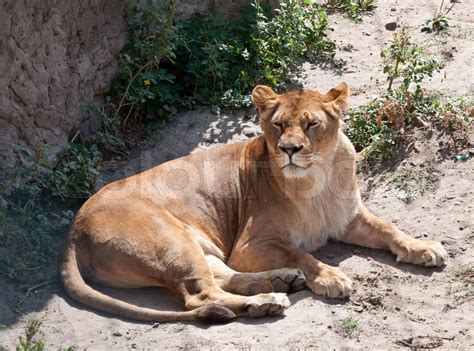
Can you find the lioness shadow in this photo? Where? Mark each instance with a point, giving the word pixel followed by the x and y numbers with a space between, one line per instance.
pixel 184 134
pixel 333 253
pixel 160 299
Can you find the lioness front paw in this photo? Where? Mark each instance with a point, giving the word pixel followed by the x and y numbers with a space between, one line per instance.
pixel 331 282
pixel 288 280
pixel 271 304
pixel 424 253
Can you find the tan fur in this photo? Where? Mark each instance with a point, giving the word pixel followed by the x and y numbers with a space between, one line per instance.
pixel 230 229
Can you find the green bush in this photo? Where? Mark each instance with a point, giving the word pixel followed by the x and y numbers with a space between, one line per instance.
pixel 141 85
pixel 167 66
pixel 108 136
pixel 38 211
pixel 74 175
pixel 30 341
pixel 440 20
pixel 29 241
pixel 378 128
pixel 406 60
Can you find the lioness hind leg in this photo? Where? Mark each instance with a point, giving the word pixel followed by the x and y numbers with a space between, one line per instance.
pixel 203 291
pixel 187 273
pixel 126 256
pixel 284 280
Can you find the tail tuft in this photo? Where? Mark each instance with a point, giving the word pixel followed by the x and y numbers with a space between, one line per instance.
pixel 214 314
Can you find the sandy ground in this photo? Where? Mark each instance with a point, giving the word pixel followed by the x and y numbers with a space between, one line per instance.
pixel 395 305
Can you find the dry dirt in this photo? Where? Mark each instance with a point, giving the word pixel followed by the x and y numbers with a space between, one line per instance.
pixel 394 305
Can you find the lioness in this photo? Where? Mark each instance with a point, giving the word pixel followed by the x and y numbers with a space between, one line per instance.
pixel 230 229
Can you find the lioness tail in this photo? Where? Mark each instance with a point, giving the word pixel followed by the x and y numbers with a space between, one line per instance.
pixel 83 293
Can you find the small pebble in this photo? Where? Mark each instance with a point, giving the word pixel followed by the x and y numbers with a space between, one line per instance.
pixel 391 26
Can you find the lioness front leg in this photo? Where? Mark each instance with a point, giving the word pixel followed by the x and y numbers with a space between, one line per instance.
pixel 371 231
pixel 286 280
pixel 320 278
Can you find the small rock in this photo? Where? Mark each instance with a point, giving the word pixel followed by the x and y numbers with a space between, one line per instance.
pixel 393 9
pixel 391 26
pixel 134 346
pixel 117 333
pixel 397 308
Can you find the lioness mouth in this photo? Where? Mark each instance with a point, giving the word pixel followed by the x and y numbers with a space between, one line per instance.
pixel 292 164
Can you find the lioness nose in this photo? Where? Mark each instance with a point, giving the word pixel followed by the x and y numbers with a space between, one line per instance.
pixel 291 150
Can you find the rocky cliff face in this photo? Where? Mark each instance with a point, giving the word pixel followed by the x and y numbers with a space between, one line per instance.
pixel 55 57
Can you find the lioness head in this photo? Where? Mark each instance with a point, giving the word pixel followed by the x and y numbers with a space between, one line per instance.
pixel 300 127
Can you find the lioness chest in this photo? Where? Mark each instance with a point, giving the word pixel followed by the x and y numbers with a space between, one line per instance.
pixel 325 215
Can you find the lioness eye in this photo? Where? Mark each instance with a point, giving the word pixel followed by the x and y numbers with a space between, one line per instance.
pixel 313 124
pixel 278 125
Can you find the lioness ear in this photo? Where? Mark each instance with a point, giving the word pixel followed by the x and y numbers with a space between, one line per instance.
pixel 337 96
pixel 264 98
